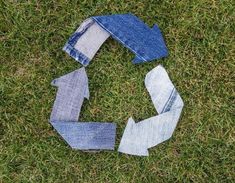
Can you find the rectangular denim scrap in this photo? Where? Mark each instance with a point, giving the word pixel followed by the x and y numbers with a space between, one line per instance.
pixel 86 41
pixel 138 137
pixel 146 43
pixel 87 135
pixel 72 89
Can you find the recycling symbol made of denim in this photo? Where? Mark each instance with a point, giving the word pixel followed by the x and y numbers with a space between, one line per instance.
pixel 147 44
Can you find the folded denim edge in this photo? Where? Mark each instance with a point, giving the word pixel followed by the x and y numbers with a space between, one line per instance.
pixel 77 55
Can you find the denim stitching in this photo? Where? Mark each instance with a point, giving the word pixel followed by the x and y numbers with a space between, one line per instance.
pixel 77 55
pixel 167 100
pixel 171 102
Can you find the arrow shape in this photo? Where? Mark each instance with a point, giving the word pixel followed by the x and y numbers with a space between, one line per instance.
pixel 139 137
pixel 72 89
pixel 146 43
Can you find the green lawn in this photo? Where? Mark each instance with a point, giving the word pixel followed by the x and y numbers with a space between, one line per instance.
pixel 200 38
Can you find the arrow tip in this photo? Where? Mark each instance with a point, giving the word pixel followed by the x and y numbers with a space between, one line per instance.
pixel 77 74
pixel 131 141
pixel 158 33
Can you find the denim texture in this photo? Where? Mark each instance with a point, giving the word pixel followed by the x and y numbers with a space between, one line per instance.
pixel 87 135
pixel 72 89
pixel 139 137
pixel 91 42
pixel 146 43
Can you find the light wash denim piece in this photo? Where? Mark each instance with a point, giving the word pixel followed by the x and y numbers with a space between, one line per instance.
pixel 87 135
pixel 72 89
pixel 139 137
pixel 146 43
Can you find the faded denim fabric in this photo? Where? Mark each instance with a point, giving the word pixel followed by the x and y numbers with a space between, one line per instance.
pixel 86 41
pixel 146 43
pixel 72 89
pixel 87 135
pixel 138 137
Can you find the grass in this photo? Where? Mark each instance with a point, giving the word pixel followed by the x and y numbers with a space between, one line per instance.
pixel 200 38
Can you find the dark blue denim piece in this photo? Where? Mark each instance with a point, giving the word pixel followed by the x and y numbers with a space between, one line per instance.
pixel 72 89
pixel 147 43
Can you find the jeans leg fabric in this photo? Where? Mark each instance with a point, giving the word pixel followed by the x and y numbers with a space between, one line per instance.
pixel 87 135
pixel 138 137
pixel 146 43
pixel 86 41
pixel 72 89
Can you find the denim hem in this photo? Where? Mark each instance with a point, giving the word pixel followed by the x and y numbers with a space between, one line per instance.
pixel 77 55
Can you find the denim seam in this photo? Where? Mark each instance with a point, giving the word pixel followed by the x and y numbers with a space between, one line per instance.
pixel 79 34
pixel 166 104
pixel 171 102
pixel 69 46
pixel 78 56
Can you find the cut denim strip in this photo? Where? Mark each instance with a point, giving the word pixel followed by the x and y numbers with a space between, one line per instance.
pixel 146 43
pixel 72 89
pixel 139 137
pixel 77 55
pixel 86 41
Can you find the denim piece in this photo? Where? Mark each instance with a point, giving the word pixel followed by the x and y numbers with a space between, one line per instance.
pixel 86 41
pixel 146 43
pixel 138 137
pixel 87 135
pixel 72 88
